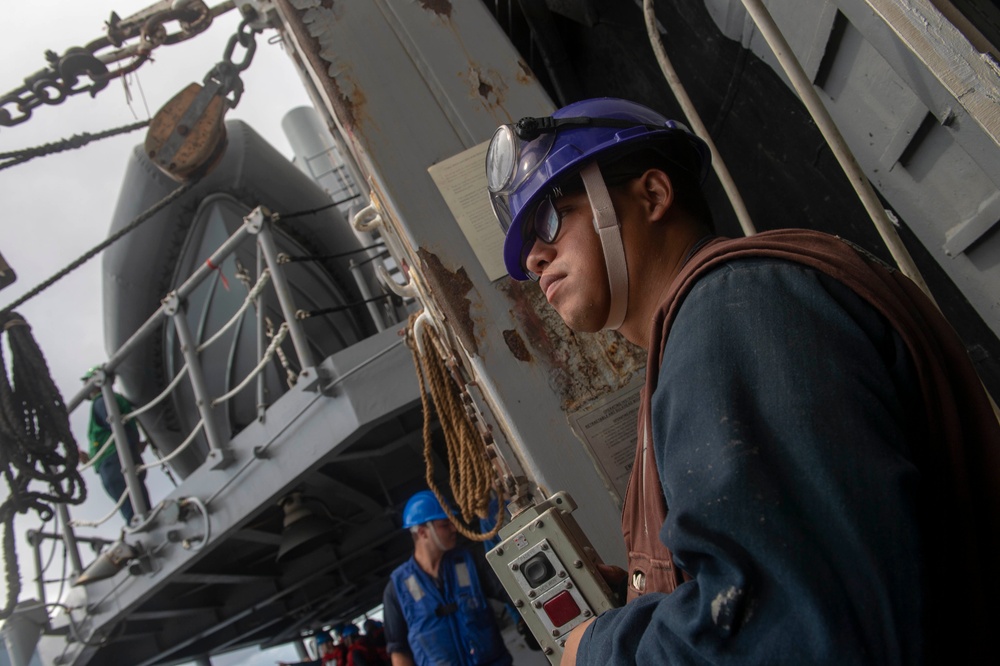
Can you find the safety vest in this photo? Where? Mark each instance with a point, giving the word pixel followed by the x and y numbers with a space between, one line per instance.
pixel 453 625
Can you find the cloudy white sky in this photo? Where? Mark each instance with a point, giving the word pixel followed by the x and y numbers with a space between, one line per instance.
pixel 56 208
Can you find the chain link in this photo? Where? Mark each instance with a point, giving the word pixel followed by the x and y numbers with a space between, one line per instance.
pixel 131 42
pixel 226 73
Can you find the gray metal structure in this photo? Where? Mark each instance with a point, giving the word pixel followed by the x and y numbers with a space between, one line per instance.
pixel 916 99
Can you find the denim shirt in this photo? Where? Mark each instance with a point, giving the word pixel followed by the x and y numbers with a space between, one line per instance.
pixel 781 426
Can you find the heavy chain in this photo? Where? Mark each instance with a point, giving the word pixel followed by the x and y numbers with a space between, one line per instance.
pixel 128 43
pixel 226 73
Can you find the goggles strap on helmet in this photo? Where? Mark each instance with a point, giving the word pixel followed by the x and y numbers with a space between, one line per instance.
pixel 609 231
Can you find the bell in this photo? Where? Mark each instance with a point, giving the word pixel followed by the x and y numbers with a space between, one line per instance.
pixel 303 530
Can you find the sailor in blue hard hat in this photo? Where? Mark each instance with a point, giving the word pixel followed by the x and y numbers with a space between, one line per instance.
pixel 580 149
pixel 435 605
pixel 326 650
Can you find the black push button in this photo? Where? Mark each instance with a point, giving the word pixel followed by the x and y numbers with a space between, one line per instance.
pixel 537 569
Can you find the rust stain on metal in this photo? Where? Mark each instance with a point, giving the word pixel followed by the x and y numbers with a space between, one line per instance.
pixel 515 343
pixel 450 289
pixel 582 366
pixel 313 24
pixel 524 73
pixel 487 85
pixel 439 7
pixel 345 105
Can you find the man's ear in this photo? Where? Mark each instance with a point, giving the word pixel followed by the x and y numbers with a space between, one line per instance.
pixel 657 193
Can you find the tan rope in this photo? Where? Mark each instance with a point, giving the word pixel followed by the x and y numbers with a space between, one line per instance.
pixel 470 474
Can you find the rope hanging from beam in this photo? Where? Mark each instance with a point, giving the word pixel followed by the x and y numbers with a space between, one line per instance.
pixel 472 478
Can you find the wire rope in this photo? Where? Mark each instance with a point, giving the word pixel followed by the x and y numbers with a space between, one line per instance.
pixel 97 249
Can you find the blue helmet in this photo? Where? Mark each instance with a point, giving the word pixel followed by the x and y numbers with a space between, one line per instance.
pixel 422 508
pixel 349 629
pixel 323 637
pixel 525 161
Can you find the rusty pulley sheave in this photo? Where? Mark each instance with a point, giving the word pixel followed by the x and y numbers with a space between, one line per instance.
pixel 88 69
pixel 187 137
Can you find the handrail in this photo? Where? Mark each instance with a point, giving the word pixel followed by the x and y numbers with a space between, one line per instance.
pixel 100 452
pixel 278 338
pixel 176 452
pixel 101 521
pixel 161 397
pixel 168 310
pixel 251 298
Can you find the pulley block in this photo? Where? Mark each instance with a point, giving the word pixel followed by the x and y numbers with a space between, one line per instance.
pixel 187 137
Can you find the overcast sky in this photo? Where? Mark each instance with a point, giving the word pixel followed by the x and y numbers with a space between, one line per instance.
pixel 56 208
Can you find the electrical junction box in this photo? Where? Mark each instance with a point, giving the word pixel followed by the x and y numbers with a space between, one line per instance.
pixel 547 566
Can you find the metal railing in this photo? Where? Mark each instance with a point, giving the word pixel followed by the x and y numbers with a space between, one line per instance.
pixel 258 223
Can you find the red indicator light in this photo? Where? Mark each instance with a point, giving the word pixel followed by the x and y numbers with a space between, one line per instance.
pixel 561 609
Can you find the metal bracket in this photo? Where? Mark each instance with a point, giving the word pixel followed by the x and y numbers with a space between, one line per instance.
pixel 171 304
pixel 219 458
pixel 256 218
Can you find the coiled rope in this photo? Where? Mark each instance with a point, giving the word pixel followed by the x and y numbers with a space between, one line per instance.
pixel 36 443
pixel 470 473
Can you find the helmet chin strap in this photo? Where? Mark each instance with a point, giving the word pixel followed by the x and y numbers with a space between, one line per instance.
pixel 434 536
pixel 607 228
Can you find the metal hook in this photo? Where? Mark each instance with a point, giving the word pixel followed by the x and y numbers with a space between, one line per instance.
pixel 367 219
pixel 423 319
pixel 405 290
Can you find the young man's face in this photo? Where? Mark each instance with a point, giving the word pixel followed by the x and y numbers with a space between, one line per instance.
pixel 571 269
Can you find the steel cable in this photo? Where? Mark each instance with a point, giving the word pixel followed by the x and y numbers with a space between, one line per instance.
pixel 97 249
pixel 16 157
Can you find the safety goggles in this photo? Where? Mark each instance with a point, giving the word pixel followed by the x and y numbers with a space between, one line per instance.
pixel 517 151
pixel 545 222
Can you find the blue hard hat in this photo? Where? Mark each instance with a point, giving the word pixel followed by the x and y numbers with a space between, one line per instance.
pixel 323 637
pixel 526 160
pixel 423 507
pixel 349 630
